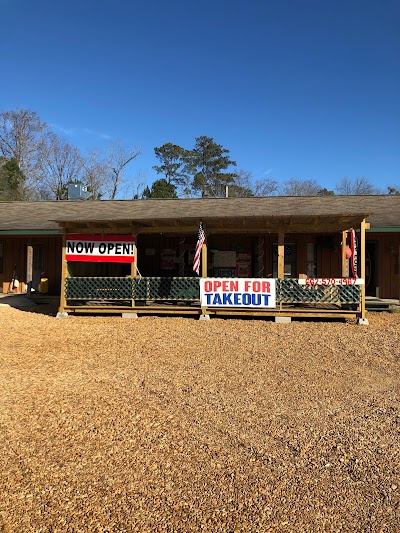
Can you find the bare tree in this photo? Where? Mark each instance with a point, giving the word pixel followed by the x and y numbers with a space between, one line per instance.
pixel 96 174
pixel 359 186
pixel 296 187
pixel 266 187
pixel 119 156
pixel 61 164
pixel 137 184
pixel 22 138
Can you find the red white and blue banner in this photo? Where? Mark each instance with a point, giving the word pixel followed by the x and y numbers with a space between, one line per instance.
pixel 201 238
pixel 354 253
pixel 100 248
pixel 237 292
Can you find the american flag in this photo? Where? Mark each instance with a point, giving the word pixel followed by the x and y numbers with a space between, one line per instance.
pixel 201 237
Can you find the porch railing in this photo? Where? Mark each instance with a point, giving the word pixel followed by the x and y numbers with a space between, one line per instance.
pixel 132 289
pixel 288 291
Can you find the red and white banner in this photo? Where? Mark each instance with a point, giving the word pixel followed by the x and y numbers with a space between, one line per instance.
pixel 354 253
pixel 100 248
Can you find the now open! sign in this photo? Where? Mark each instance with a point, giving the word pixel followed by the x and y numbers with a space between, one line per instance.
pixel 100 248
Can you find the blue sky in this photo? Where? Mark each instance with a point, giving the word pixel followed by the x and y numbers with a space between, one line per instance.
pixel 294 89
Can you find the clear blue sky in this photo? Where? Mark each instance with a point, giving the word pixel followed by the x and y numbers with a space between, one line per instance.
pixel 304 89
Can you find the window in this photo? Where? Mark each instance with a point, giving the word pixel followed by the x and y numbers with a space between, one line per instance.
pixel 290 260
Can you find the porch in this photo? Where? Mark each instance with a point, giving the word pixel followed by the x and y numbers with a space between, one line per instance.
pixel 181 296
pixel 131 294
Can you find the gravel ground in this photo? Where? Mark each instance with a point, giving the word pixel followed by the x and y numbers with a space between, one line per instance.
pixel 177 425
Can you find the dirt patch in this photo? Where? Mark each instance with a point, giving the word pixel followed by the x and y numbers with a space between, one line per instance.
pixel 172 424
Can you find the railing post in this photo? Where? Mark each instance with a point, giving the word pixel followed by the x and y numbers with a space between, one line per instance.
pixel 64 275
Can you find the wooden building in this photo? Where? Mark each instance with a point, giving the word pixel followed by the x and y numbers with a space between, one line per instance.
pixel 272 237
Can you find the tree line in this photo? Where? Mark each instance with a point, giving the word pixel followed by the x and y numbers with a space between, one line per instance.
pixel 37 164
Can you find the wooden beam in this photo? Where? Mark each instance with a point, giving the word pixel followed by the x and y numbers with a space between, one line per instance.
pixel 362 272
pixel 29 268
pixel 344 259
pixel 134 269
pixel 281 253
pixel 64 274
pixel 204 261
pixel 134 264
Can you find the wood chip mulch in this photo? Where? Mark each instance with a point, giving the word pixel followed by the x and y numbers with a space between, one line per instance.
pixel 178 425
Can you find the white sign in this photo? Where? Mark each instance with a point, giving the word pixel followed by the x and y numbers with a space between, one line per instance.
pixel 331 281
pixel 237 292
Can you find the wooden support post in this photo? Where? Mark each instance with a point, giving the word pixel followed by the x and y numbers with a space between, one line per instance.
pixel 134 269
pixel 344 258
pixel 29 269
pixel 134 264
pixel 204 261
pixel 281 253
pixel 182 257
pixel 362 272
pixel 64 275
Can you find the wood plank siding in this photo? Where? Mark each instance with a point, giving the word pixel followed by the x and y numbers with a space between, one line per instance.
pixel 15 256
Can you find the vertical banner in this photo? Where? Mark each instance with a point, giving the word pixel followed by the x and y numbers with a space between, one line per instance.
pixel 354 253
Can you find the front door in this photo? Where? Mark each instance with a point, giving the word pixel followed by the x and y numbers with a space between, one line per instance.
pixel 290 260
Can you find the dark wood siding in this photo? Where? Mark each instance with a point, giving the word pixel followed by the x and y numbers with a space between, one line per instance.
pixel 15 254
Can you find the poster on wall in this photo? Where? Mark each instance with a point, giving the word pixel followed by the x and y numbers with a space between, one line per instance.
pixel 243 265
pixel 100 248
pixel 168 259
pixel 237 292
pixel 224 259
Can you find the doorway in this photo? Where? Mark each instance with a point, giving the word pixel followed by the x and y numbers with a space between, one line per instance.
pixel 35 267
pixel 371 268
pixel 290 260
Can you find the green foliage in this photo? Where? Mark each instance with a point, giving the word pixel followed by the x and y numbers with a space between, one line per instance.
pixel 206 163
pixel 160 189
pixel 238 191
pixel 12 180
pixel 325 192
pixel 393 190
pixel 173 162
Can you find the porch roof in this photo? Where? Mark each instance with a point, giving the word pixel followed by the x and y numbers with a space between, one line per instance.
pixel 218 224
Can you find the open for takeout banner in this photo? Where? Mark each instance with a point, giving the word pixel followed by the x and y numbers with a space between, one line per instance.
pixel 100 248
pixel 237 292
